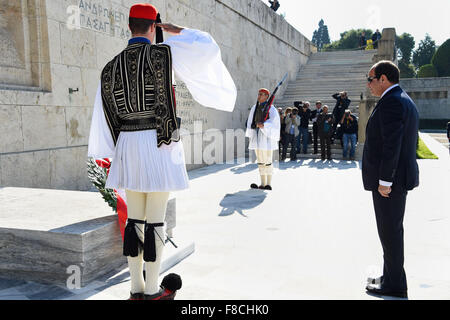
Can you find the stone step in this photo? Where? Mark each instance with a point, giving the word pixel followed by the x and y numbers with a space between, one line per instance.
pixel 44 234
pixel 350 65
pixel 335 71
pixel 325 91
pixel 326 73
pixel 325 79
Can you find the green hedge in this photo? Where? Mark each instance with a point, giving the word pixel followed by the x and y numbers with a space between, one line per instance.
pixel 423 152
pixel 427 71
pixel 441 59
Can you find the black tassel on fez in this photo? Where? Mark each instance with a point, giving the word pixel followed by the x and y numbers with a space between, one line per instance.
pixel 159 32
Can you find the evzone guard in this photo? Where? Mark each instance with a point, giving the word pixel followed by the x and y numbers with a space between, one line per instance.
pixel 134 122
pixel 263 130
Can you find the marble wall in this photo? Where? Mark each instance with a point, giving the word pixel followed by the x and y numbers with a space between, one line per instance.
pixel 431 96
pixel 57 48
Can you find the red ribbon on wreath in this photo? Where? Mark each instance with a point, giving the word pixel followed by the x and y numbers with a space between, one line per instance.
pixel 121 205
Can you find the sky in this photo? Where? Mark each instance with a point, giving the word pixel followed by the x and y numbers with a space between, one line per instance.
pixel 416 17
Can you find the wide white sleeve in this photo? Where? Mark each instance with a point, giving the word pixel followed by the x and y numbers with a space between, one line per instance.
pixel 101 143
pixel 249 132
pixel 272 126
pixel 197 62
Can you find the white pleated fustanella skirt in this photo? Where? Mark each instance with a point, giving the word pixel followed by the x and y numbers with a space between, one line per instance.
pixel 139 165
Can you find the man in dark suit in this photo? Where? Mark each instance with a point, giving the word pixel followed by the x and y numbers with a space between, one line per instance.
pixel 314 115
pixel 390 170
pixel 342 104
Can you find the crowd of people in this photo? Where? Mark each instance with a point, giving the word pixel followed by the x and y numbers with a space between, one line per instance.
pixel 327 126
pixel 363 44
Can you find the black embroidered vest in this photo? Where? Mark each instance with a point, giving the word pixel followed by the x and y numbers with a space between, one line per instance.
pixel 137 92
pixel 261 114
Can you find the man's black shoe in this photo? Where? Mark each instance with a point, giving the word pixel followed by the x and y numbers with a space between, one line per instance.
pixel 268 187
pixel 254 186
pixel 383 292
pixel 262 187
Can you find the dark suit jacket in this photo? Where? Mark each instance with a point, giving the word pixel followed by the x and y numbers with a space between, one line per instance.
pixel 321 123
pixel 391 143
pixel 314 114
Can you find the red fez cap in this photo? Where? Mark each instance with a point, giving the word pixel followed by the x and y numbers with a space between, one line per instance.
pixel 263 90
pixel 143 11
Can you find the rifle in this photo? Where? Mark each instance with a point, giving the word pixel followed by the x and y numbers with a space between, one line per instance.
pixel 269 101
pixel 272 97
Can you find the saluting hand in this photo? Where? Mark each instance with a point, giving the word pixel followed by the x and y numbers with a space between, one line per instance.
pixel 170 28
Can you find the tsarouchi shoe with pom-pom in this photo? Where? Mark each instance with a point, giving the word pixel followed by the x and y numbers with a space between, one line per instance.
pixel 169 286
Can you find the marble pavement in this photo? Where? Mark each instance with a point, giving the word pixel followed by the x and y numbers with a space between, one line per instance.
pixel 313 237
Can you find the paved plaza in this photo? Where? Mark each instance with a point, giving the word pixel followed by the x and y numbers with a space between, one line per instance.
pixel 313 237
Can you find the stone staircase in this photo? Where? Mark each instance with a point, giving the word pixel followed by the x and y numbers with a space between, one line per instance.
pixel 325 74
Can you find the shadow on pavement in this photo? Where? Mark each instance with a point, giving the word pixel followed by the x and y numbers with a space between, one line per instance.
pixel 240 201
pixel 247 168
pixel 384 297
pixel 319 164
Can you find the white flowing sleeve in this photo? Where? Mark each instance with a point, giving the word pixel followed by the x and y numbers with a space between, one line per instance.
pixel 197 62
pixel 249 132
pixel 272 126
pixel 101 143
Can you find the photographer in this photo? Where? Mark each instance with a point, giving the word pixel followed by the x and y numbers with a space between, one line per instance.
pixel 349 126
pixel 342 104
pixel 292 121
pixel 325 125
pixel 282 129
pixel 305 115
pixel 314 115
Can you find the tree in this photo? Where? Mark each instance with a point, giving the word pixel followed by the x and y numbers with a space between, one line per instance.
pixel 405 45
pixel 349 39
pixel 425 52
pixel 406 69
pixel 321 36
pixel 441 59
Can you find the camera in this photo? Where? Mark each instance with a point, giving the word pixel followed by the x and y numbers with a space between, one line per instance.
pixel 298 104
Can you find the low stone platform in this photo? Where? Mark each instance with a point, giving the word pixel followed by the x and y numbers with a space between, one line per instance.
pixel 47 234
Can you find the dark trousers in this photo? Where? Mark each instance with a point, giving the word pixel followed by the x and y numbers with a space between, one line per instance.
pixel 304 136
pixel 325 143
pixel 389 214
pixel 315 136
pixel 289 139
pixel 281 143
